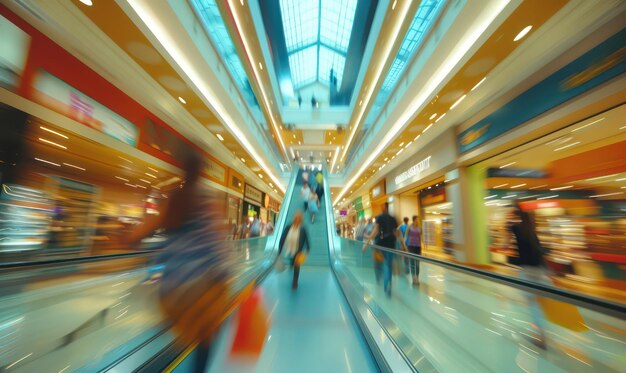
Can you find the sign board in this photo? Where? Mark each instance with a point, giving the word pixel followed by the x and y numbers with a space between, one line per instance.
pixel 54 93
pixel 215 170
pixel 433 159
pixel 516 172
pixel 595 67
pixel 14 45
pixel 253 195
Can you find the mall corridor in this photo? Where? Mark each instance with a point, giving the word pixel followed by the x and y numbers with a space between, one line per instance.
pixel 161 162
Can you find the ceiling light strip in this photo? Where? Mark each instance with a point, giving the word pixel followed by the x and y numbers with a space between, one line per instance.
pixel 390 42
pixel 461 49
pixel 159 31
pixel 244 40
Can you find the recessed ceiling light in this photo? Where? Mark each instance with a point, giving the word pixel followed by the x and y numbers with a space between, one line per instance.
pixel 52 131
pixel 479 83
pixel 261 176
pixel 402 143
pixel 588 124
pixel 567 146
pixel 523 33
pixel 518 186
pixel 182 100
pixel 74 166
pixel 53 143
pixel 563 187
pixel 121 178
pixel 261 66
pixel 507 165
pixel 457 102
pixel 220 137
pixel 606 195
pixel 87 2
pixel 539 186
pixel 441 117
pixel 432 116
pixel 393 6
pixel 152 176
pixel 501 185
pixel 243 160
pixel 48 162
pixel 427 128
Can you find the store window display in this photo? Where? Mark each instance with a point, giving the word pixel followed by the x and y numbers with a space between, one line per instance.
pixel 573 185
pixel 436 217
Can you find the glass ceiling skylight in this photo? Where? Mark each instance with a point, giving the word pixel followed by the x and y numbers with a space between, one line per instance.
pixel 216 29
pixel 317 34
pixel 424 18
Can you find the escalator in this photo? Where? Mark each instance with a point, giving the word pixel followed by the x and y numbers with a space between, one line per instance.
pixel 102 314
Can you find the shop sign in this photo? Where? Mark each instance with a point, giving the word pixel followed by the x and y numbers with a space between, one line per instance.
pixel 436 157
pixel 54 93
pixel 215 170
pixel 14 45
pixel 378 190
pixel 595 67
pixel 274 205
pixel 516 172
pixel 414 171
pixel 253 194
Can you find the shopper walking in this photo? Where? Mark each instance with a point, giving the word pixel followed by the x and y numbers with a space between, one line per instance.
pixel 403 232
pixel 531 259
pixel 385 234
pixel 305 193
pixel 293 242
pixel 313 206
pixel 414 246
pixel 360 230
pixel 197 268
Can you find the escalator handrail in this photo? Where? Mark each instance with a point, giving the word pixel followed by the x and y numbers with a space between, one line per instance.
pixel 596 304
pixel 281 223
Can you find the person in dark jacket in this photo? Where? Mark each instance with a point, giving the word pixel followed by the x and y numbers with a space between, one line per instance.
pixel 293 241
pixel 531 259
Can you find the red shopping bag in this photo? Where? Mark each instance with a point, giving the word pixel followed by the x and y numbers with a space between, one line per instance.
pixel 252 326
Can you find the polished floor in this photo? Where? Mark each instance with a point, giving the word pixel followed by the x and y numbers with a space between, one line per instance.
pixel 312 330
pixel 464 323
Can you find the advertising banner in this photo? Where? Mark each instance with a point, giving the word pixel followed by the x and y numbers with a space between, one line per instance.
pixel 54 93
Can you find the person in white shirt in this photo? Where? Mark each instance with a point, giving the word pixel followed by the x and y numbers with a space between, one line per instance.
pixel 305 193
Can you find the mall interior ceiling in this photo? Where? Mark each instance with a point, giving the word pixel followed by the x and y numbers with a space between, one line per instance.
pixel 358 87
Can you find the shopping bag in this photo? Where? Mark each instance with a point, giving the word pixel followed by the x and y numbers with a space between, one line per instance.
pixel 378 256
pixel 300 258
pixel 562 314
pixel 280 266
pixel 251 329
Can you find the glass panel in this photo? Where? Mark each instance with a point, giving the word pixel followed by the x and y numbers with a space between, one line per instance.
pixel 300 23
pixel 336 24
pixel 481 324
pixel 330 60
pixel 302 70
pixel 216 29
pixel 566 190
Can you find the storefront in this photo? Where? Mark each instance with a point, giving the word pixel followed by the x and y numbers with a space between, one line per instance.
pixel 274 207
pixel 378 196
pixel 419 187
pixel 235 203
pixel 572 183
pixel 252 201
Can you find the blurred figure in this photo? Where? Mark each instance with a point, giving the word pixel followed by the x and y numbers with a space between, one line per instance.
pixel 403 231
pixel 293 241
pixel 313 206
pixel 369 228
pixel 531 259
pixel 320 186
pixel 269 228
pixel 194 285
pixel 255 227
pixel 414 245
pixel 305 193
pixel 385 233
pixel 360 230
